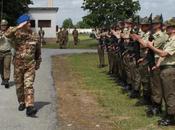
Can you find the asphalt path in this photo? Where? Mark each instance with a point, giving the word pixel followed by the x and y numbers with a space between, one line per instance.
pixel 45 98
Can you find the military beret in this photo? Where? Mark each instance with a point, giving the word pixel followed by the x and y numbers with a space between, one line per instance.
pixel 157 19
pixel 171 22
pixel 23 18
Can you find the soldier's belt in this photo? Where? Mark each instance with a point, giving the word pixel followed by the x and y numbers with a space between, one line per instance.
pixel 167 67
pixel 5 51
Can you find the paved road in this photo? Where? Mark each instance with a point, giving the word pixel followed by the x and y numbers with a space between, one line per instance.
pixel 45 97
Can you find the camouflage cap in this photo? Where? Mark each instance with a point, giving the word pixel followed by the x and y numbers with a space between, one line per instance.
pixel 157 19
pixel 130 20
pixel 4 22
pixel 145 21
pixel 171 22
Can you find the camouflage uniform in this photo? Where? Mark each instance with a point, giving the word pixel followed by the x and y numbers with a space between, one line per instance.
pixel 27 60
pixel 75 36
pixel 5 56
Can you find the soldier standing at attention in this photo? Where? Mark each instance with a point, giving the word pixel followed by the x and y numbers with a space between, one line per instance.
pixel 5 54
pixel 75 36
pixel 41 34
pixel 27 59
pixel 160 39
pixel 100 49
pixel 167 73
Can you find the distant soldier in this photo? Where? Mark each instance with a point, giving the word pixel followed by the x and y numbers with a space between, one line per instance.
pixel 65 38
pixel 5 54
pixel 27 60
pixel 58 38
pixel 75 36
pixel 41 34
pixel 101 40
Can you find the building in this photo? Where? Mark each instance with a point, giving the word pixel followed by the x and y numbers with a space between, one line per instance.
pixel 44 17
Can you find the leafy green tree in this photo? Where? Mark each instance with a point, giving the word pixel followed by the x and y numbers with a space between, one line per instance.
pixel 82 24
pixel 12 9
pixel 67 23
pixel 106 12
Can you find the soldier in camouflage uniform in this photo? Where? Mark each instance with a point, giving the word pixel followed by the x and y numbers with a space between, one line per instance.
pixel 75 36
pixel 160 39
pixel 143 65
pixel 126 56
pixel 27 60
pixel 100 49
pixel 5 54
pixel 167 73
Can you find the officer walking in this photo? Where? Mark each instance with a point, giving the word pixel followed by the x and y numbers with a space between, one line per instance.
pixel 27 59
pixel 5 54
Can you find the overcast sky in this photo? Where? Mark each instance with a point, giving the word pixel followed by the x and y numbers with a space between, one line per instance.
pixel 72 8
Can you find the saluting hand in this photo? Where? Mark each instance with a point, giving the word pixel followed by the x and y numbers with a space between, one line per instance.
pixel 22 25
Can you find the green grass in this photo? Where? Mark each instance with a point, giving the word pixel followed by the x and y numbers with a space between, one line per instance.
pixel 85 43
pixel 124 115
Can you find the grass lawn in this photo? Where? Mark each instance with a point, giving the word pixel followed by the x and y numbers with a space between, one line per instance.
pixel 122 112
pixel 85 43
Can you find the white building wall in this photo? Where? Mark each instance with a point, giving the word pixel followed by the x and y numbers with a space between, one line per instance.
pixel 45 15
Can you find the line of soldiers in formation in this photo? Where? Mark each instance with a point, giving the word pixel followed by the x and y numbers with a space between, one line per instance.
pixel 62 37
pixel 26 55
pixel 142 58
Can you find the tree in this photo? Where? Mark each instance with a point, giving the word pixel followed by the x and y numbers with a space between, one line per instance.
pixel 67 23
pixel 106 12
pixel 82 24
pixel 12 9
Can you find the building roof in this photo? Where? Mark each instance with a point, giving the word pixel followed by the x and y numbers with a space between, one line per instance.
pixel 43 8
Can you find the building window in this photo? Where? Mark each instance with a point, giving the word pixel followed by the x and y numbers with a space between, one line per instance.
pixel 32 22
pixel 44 23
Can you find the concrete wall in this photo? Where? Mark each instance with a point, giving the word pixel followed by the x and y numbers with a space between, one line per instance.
pixel 45 15
pixel 88 31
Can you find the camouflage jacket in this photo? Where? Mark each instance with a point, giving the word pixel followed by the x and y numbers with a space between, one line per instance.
pixel 27 45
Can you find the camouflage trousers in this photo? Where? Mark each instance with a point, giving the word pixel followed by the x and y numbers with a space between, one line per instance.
pixel 128 65
pixel 5 63
pixel 110 61
pixel 145 78
pixel 75 40
pixel 156 88
pixel 24 75
pixel 168 79
pixel 101 55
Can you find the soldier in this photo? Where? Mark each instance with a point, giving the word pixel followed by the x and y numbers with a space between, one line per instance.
pixel 143 65
pixel 5 54
pixel 75 36
pixel 41 34
pixel 27 60
pixel 167 73
pixel 126 56
pixel 101 39
pixel 160 39
pixel 64 38
pixel 60 39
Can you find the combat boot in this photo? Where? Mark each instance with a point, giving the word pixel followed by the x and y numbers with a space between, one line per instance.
pixel 154 110
pixel 22 107
pixel 134 94
pixel 3 82
pixel 167 121
pixel 6 83
pixel 31 111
